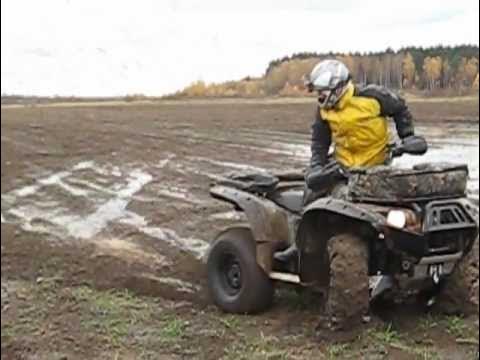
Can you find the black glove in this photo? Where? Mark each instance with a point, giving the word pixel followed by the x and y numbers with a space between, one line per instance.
pixel 413 145
pixel 323 177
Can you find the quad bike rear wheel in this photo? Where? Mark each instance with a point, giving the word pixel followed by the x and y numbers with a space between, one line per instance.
pixel 237 283
pixel 348 296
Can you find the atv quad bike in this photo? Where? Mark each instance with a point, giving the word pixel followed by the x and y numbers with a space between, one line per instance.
pixel 393 230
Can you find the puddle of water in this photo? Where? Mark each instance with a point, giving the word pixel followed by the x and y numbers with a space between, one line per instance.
pixel 116 172
pixel 43 221
pixel 280 136
pixel 84 165
pixel 138 179
pixel 189 169
pixel 92 225
pixel 232 165
pixel 177 193
pixel 133 219
pixel 195 246
pixel 93 186
pixel 296 150
pixel 56 217
pixel 451 154
pixel 112 210
pixel 26 191
pixel 163 163
pixel 73 190
pixel 52 180
pixel 458 144
pixel 282 149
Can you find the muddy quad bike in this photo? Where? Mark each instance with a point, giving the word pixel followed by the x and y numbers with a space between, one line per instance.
pixel 394 229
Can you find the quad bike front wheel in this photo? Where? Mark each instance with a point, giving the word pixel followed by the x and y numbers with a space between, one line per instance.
pixel 237 283
pixel 459 293
pixel 348 295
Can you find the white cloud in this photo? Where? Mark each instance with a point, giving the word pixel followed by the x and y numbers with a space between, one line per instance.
pixel 86 47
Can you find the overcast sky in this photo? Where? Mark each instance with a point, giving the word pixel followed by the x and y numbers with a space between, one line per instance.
pixel 117 47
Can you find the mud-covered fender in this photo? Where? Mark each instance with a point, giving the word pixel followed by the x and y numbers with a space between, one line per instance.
pixel 324 219
pixel 346 209
pixel 268 222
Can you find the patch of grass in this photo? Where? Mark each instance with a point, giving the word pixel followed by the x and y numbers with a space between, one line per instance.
pixel 386 335
pixel 421 353
pixel 338 351
pixel 34 303
pixel 428 323
pixel 264 347
pixel 8 333
pixel 230 322
pixel 173 329
pixel 456 326
pixel 112 314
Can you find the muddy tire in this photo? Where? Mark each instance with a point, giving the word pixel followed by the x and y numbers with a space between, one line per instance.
pixel 348 295
pixel 460 292
pixel 236 282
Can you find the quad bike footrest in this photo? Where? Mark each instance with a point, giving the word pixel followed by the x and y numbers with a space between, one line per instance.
pixel 285 277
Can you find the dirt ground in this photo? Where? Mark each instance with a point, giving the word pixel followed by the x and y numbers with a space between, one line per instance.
pixel 106 219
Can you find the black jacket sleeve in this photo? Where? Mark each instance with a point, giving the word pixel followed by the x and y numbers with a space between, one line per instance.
pixel 321 141
pixel 392 106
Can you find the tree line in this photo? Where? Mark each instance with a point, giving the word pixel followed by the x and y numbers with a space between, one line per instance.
pixel 435 70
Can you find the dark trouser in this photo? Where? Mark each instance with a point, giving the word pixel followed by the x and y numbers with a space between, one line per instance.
pixel 338 190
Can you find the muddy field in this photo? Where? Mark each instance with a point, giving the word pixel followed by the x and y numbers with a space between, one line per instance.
pixel 106 218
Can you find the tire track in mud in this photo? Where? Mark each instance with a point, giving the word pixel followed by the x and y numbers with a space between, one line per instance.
pixel 87 201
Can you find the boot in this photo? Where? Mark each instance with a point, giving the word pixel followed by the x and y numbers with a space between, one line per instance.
pixel 287 256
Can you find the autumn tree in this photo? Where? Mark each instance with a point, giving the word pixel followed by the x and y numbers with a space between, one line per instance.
pixel 276 79
pixel 447 74
pixel 471 70
pixel 476 84
pixel 432 67
pixel 397 70
pixel 349 62
pixel 412 67
pixel 466 72
pixel 408 70
pixel 197 89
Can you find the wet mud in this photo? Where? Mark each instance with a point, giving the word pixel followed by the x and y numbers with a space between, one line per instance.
pixel 121 195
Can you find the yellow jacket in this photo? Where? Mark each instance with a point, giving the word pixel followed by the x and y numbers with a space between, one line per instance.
pixel 358 127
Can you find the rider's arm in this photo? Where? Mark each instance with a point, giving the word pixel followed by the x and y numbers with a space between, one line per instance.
pixel 321 141
pixel 392 106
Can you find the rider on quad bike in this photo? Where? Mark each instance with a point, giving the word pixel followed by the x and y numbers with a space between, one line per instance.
pixel 363 230
pixel 355 120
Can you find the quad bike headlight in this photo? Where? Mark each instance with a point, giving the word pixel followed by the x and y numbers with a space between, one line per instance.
pixel 397 219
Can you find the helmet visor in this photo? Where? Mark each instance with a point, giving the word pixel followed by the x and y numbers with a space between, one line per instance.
pixel 324 97
pixel 324 81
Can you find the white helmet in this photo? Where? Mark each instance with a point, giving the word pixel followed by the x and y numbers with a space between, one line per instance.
pixel 330 78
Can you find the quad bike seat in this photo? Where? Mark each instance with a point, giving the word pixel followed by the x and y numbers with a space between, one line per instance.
pixel 291 200
pixel 258 183
pixel 287 191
